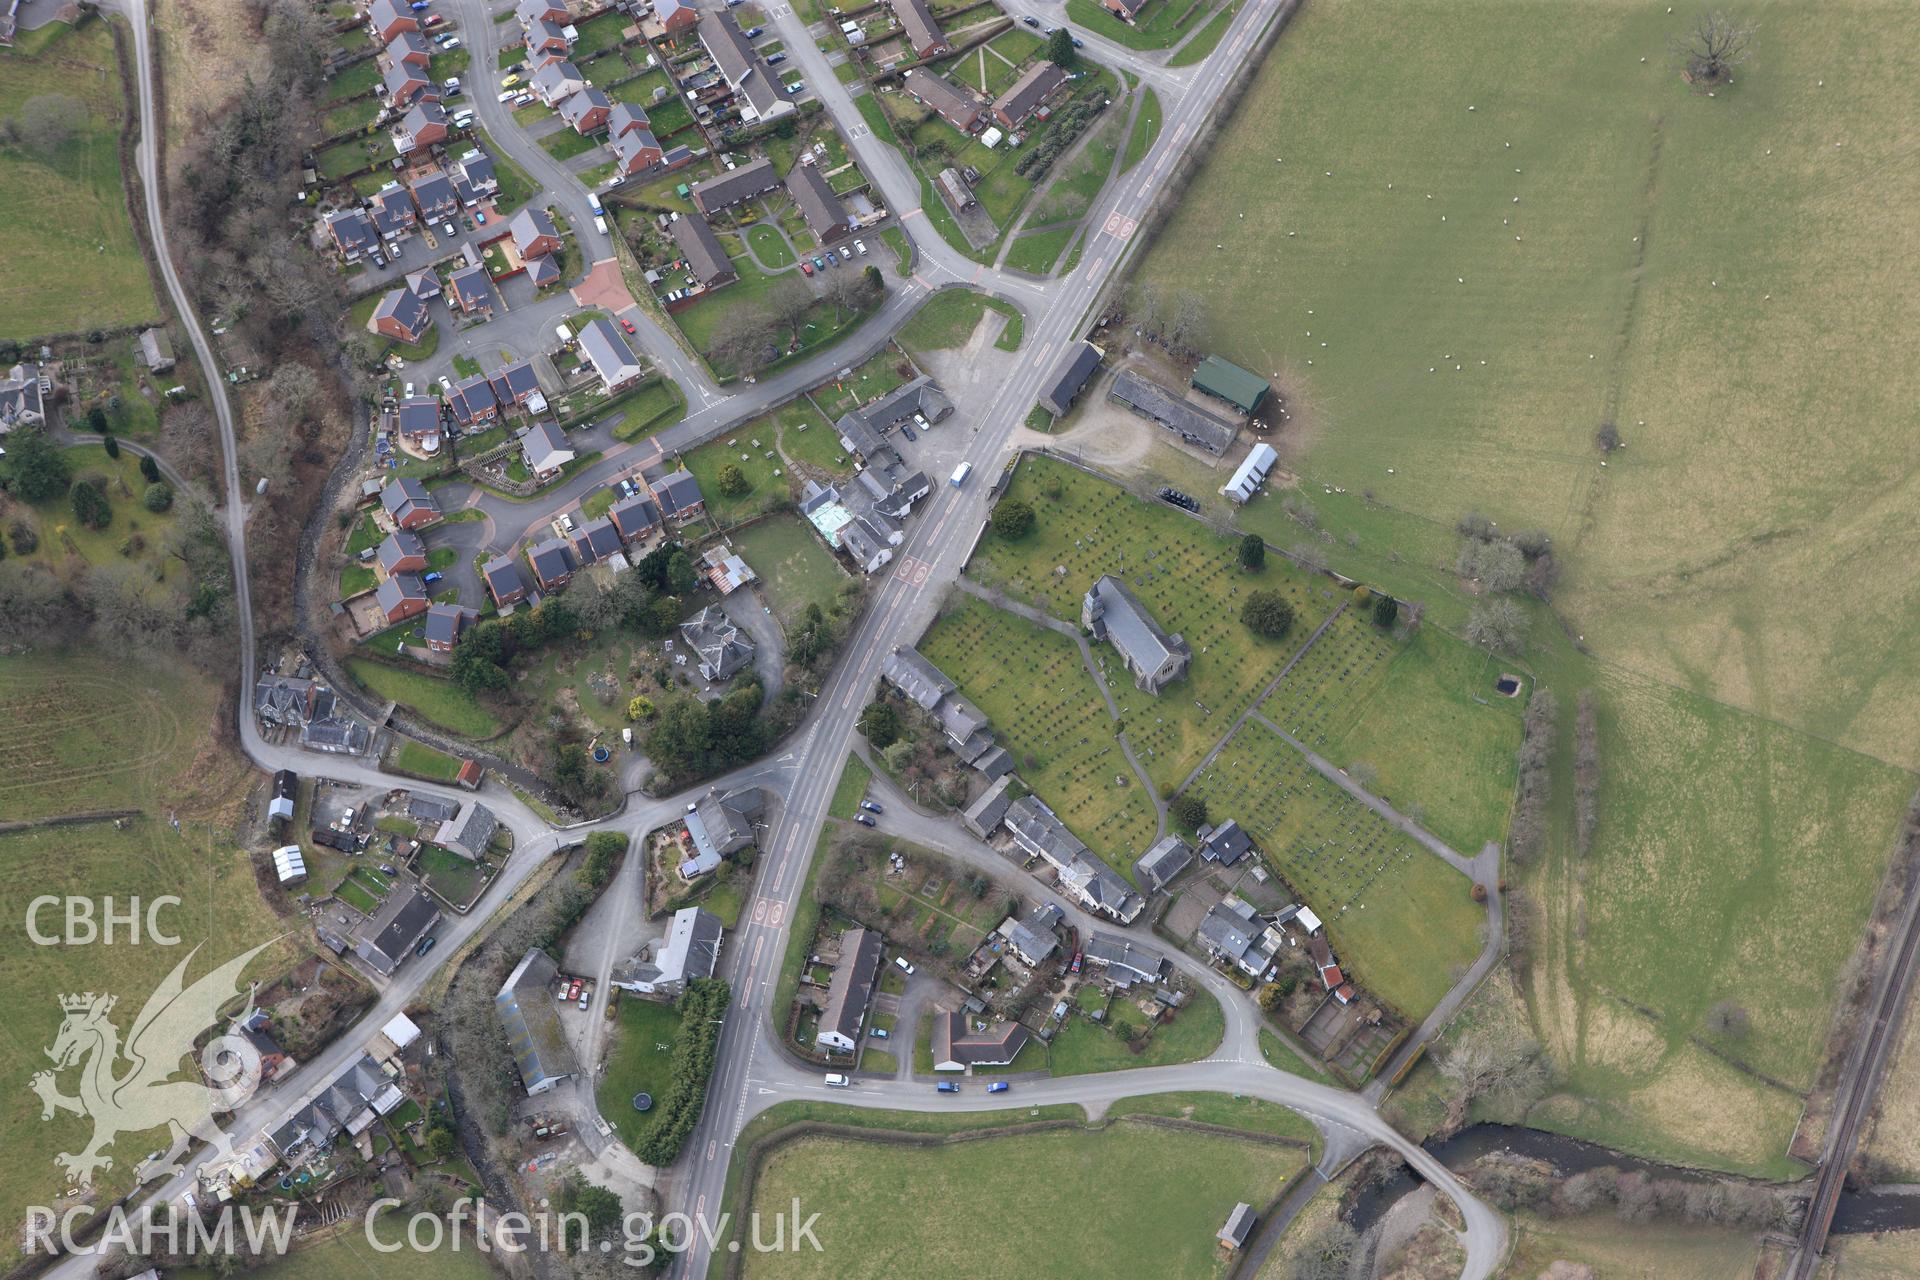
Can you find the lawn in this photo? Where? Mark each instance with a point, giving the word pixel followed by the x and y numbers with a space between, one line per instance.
pixel 1084 1046
pixel 1146 125
pixel 650 408
pixel 825 325
pixel 769 246
pixel 434 698
pixel 1036 251
pixel 896 240
pixel 1250 1115
pixel 1076 182
pixel 883 372
pixel 564 144
pixel 1650 1248
pixel 600 34
pixel 751 449
pixel 1204 41
pixel 73 261
pixel 1030 1187
pixel 640 1061
pixel 1280 1055
pixel 851 789
pixel 949 318
pixel 1162 24
pixel 1398 917
pixel 1042 703
pixel 807 438
pixel 1183 572
pixel 795 567
pixel 354 81
pixel 425 762
pixel 134 536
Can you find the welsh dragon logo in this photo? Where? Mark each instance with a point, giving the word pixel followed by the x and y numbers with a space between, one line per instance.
pixel 145 1095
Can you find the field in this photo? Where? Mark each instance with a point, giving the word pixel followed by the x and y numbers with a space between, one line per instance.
pixel 349 1256
pixel 434 698
pixel 135 536
pixel 1031 1187
pixel 1184 573
pixel 795 568
pixel 949 318
pixel 1888 1255
pixel 1249 1115
pixel 1649 1248
pixel 636 1063
pixel 73 260
pixel 1084 1046
pixel 1033 687
pixel 1616 247
pixel 1398 917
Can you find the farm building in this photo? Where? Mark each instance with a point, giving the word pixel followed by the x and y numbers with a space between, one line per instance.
pixel 1225 380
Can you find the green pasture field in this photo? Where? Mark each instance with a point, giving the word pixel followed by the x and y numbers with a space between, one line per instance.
pixel 949 317
pixel 646 410
pixel 637 1064
pixel 73 260
pixel 1399 918
pixel 1596 1241
pixel 434 698
pixel 350 1256
pixel 883 371
pixel 1030 1187
pixel 1250 1115
pixel 1075 184
pixel 795 567
pixel 1187 577
pixel 1034 689
pixel 418 758
pixel 1036 252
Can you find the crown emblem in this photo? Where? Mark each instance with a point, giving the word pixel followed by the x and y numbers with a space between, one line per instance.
pixel 84 1003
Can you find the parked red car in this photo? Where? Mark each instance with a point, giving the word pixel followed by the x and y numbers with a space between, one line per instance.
pixel 628 326
pixel 806 268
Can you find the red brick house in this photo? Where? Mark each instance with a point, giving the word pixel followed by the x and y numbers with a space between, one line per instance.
pixel 389 18
pixel 401 597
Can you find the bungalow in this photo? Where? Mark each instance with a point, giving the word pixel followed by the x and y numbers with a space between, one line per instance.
pixel 434 194
pixel 534 233
pixel 957 106
pixel 586 110
pixel 735 186
pixel 353 233
pixel 1028 93
pixel 518 386
pixel 1110 611
pixel 402 552
pixel 445 622
pixel 556 81
pixel 471 401
pixel 595 541
pixel 544 450
pixel 676 17
pixel 401 597
pixel 719 645
pixel 1075 368
pixel 705 257
pixel 1125 10
pixel 850 991
pixel 609 354
pixel 956 1047
pixel 411 47
pixel 1159 865
pixel 636 151
pixel 471 289
pixel 402 316
pixel 404 82
pixel 552 563
pixel 425 125
pixel 1174 411
pixel 389 18
pixel 924 36
pixel 635 517
pixel 678 495
pixel 505 583
pixel 408 503
pixel 392 209
pixel 825 216
pixel 758 95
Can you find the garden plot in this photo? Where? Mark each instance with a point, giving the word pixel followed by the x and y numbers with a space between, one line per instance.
pixel 1032 685
pixel 1399 918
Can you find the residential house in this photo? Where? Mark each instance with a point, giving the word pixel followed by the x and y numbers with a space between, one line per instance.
pixel 1123 963
pixel 402 921
pixel 721 648
pixel 1075 368
pixel 389 18
pixel 758 95
pixel 408 503
pixel 1193 424
pixel 1111 612
pixel 1232 932
pixel 609 354
pixel 847 523
pixel 956 1047
pixel 156 350
pixel 402 552
pixel 851 989
pixel 410 47
pixel 983 816
pixel 923 33
pixel 635 517
pixel 586 110
pixel 402 316
pixel 1033 941
pixel 543 272
pixel 393 212
pixel 678 495
pixel 552 563
pixel 1026 95
pixel 737 185
pixel 959 107
pixel 819 207
pixel 322 721
pixel 445 623
pixel 401 597
pixel 1037 830
pixel 434 194
pixel 425 125
pixel 21 401
pixel 528 12
pixel 517 386
pixel 1240 1222
pixel 547 43
pixel 545 450
pixel 556 81
pixel 425 283
pixel 534 233
pixel 920 398
pixel 472 290
pixel 531 1017
pixel 469 832
pixel 1225 843
pixel 472 401
pixel 635 151
pixel 349 1103
pixel 691 950
pixel 917 679
pixel 1169 856
pixel 475 176
pixel 1251 474
pixel 594 541
pixel 1228 382
pixel 723 824
pixel 505 583
pixel 404 83
pixel 705 257
pixel 676 17
pixel 353 233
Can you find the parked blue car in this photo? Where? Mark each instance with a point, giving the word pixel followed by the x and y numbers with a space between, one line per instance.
pixel 948 1086
pixel 998 1086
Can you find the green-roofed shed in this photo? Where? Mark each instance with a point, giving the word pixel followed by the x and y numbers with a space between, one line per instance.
pixel 1225 380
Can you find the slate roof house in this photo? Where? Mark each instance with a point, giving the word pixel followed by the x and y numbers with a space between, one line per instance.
pixel 706 258
pixel 409 46
pixel 352 231
pixel 1125 964
pixel 735 186
pixel 389 18
pixel 504 581
pixel 472 400
pixel 518 386
pixel 557 80
pixel 445 623
pixel 402 316
pixel 433 193
pixel 691 950
pixel 983 816
pixel 609 354
pixel 636 150
pixel 1225 843
pixel 923 32
pixel 403 919
pixel 1111 612
pixel 722 648
pixel 469 832
pixel 635 517
pixel 1039 831
pixel 401 597
pixel 850 991
pixel 944 98
pixel 922 683
pixel 21 403
pixel 1233 932
pixel 544 449
pixel 472 289
pixel 393 210
pixel 825 216
pixel 596 540
pixel 529 1013
pixel 404 82
pixel 678 495
pixel 757 94
pixel 402 552
pixel 1075 368
pixel 676 17
pixel 1125 10
pixel 1033 940
pixel 534 234
pixel 552 563
pixel 1175 412
pixel 586 110
pixel 956 1047
pixel 1025 95
pixel 424 125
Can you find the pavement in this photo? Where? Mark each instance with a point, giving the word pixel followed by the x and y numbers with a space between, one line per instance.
pixel 752 1072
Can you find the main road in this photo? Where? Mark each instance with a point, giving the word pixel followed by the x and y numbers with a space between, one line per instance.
pixel 752 1072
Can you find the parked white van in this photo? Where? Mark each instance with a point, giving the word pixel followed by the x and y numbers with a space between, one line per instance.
pixel 837 1080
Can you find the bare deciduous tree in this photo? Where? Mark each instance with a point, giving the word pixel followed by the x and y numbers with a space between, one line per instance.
pixel 1499 625
pixel 1716 43
pixel 1728 1019
pixel 744 339
pixel 789 303
pixel 1327 1253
